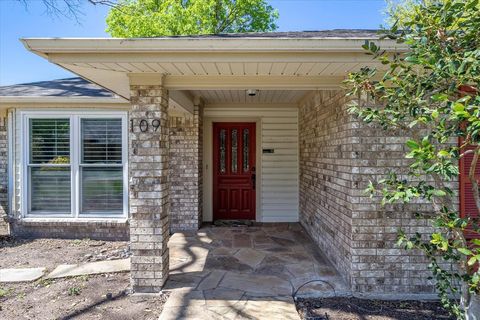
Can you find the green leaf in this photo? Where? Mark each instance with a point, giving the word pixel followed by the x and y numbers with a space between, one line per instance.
pixel 443 153
pixel 472 260
pixel 458 107
pixel 439 193
pixel 412 144
pixel 465 251
pixel 440 97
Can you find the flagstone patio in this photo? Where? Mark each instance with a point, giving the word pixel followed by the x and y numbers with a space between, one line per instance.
pixel 246 273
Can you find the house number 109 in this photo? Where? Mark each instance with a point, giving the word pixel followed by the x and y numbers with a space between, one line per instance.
pixel 144 125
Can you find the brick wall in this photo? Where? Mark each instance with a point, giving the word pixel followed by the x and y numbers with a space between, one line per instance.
pixel 4 228
pixel 326 176
pixel 378 265
pixel 338 156
pixel 186 171
pixel 97 230
pixel 149 189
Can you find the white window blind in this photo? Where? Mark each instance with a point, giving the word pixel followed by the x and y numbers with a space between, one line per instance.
pixel 102 190
pixel 49 141
pixel 101 169
pixel 50 190
pixel 49 166
pixel 102 140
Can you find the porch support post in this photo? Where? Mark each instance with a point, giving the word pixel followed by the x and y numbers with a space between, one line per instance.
pixel 148 187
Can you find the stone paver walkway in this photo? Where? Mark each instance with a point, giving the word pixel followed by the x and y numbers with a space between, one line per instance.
pixel 245 273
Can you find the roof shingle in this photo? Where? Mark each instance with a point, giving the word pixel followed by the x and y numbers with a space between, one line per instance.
pixel 70 87
pixel 320 34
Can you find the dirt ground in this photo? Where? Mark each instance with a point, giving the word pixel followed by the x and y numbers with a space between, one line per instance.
pixel 49 253
pixel 362 309
pixel 86 297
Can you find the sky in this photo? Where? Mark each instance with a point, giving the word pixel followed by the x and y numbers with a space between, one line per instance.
pixel 17 65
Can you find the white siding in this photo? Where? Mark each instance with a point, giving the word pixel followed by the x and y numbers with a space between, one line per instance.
pixel 279 170
pixel 18 161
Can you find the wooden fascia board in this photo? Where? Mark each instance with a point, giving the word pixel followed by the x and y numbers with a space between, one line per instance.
pixel 70 45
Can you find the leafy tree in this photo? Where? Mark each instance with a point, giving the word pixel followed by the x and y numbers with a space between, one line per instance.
pixel 431 94
pixel 150 18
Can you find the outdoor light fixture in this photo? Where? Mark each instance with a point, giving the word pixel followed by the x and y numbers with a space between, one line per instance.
pixel 252 92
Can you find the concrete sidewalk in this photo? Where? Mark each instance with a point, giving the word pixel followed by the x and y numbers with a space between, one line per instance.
pixel 64 270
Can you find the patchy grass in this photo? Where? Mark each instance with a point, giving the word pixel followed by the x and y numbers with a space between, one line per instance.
pixel 5 292
pixel 74 291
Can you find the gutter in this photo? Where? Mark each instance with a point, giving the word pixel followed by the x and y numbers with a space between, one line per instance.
pixel 44 46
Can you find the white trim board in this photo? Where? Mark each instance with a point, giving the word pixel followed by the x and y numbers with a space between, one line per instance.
pixel 74 118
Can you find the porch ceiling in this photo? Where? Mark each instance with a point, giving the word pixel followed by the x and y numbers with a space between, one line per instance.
pixel 276 97
pixel 209 63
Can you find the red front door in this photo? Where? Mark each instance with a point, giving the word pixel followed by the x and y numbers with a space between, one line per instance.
pixel 234 170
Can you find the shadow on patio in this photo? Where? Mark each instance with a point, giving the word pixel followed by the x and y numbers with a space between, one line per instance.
pixel 245 272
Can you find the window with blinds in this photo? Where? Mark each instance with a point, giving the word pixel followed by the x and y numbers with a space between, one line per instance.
pixel 49 166
pixel 76 166
pixel 101 141
pixel 101 166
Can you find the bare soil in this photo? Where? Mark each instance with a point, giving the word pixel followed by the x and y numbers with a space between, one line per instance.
pixel 104 296
pixel 49 253
pixel 364 309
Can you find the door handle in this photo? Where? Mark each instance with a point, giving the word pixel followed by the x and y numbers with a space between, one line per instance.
pixel 254 178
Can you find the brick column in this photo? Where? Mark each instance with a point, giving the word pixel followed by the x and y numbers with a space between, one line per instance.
pixel 149 188
pixel 186 138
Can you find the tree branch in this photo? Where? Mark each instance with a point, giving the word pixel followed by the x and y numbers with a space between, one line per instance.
pixel 107 3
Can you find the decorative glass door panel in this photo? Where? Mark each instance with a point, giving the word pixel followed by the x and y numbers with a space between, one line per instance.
pixel 234 177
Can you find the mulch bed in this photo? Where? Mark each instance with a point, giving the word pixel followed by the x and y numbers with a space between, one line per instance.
pixel 363 309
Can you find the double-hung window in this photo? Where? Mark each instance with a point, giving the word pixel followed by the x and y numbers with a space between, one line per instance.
pixel 74 165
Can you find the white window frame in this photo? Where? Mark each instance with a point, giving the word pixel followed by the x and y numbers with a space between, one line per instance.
pixel 75 163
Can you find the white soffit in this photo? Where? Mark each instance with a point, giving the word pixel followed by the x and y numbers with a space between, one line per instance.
pixel 209 64
pixel 220 97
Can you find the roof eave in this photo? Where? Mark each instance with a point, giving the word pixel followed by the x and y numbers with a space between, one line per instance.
pixel 44 46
